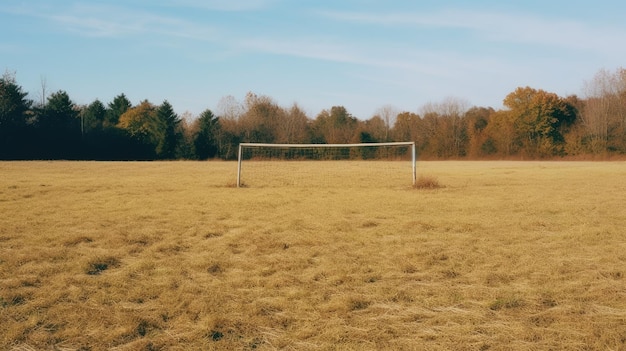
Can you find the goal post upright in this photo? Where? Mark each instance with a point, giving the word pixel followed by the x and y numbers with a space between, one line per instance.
pixel 411 144
pixel 239 153
pixel 414 163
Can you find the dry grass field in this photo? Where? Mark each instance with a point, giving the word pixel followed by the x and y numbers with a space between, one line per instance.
pixel 170 256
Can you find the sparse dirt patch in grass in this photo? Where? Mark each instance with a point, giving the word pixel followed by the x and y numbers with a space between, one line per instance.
pixel 369 224
pixel 215 268
pixel 98 265
pixel 78 240
pixel 213 234
pixel 355 304
pixel 510 301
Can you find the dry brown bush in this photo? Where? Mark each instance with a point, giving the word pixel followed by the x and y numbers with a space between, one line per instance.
pixel 427 182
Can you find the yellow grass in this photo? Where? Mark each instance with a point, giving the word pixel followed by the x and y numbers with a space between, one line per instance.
pixel 171 256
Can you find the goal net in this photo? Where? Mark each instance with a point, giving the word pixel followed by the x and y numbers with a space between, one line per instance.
pixel 326 165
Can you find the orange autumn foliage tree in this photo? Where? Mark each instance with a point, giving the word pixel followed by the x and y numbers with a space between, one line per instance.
pixel 538 118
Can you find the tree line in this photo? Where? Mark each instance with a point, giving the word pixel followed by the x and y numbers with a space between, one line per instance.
pixel 533 124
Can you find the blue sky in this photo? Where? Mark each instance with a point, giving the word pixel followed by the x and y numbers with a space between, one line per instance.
pixel 359 54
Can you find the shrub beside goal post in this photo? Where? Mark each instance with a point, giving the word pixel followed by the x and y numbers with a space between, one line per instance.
pixel 254 157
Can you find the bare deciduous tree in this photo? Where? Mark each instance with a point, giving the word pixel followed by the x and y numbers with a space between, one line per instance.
pixel 388 114
pixel 446 128
pixel 228 108
pixel 44 90
pixel 604 114
pixel 292 126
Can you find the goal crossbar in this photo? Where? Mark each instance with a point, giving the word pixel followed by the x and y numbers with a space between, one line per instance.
pixel 397 143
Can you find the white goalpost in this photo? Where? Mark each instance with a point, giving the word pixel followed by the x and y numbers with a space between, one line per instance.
pixel 296 158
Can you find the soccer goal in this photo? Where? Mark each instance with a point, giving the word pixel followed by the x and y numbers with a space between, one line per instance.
pixel 261 164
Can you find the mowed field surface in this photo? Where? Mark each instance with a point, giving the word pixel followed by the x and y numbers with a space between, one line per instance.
pixel 170 256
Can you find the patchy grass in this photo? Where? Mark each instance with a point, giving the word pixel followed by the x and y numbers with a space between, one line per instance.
pixel 169 256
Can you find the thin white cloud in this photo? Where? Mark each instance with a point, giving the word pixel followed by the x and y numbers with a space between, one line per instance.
pixel 96 22
pixel 311 48
pixel 224 5
pixel 112 21
pixel 9 48
pixel 403 59
pixel 500 27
